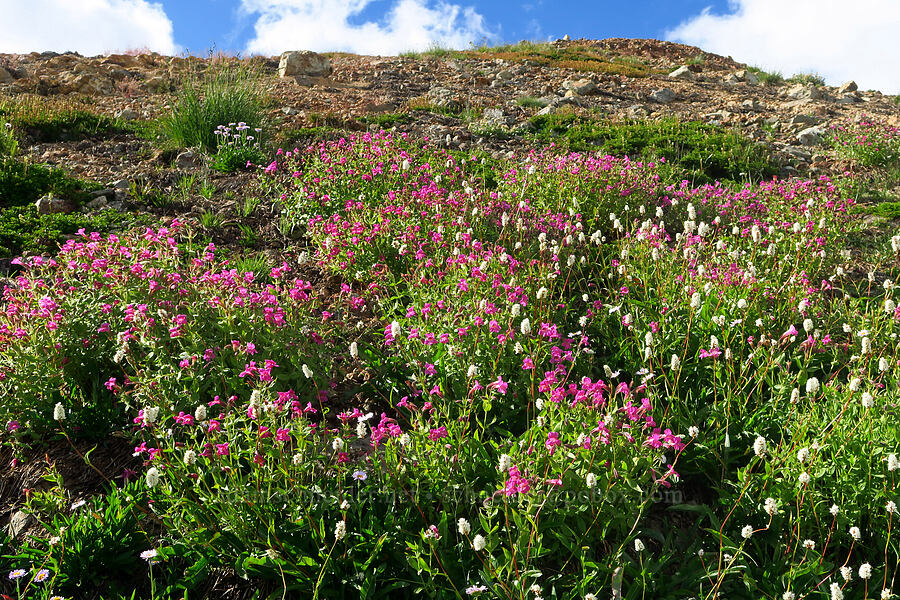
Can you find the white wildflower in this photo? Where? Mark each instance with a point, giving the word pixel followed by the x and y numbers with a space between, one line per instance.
pixel 892 463
pixel 759 446
pixel 340 530
pixel 747 532
pixel 479 543
pixel 505 462
pixel 306 371
pixel 836 593
pixel 770 506
pixel 867 400
pixel 638 545
pixel 812 386
pixel 855 533
pixel 463 526
pixel 525 326
pixel 59 412
pixel 152 477
pixel 200 413
pixel 865 571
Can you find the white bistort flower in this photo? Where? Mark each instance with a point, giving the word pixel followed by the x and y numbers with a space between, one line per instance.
pixel 892 463
pixel 59 412
pixel 770 506
pixel 759 446
pixel 747 532
pixel 812 386
pixel 836 593
pixel 865 571
pixel 340 530
pixel 855 533
pixel 479 543
pixel 152 477
pixel 463 526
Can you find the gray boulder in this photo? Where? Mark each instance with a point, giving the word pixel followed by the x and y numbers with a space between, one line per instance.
pixel 746 76
pixel 683 73
pixel 848 87
pixel 444 98
pixel 804 92
pixel 811 136
pixel 5 76
pixel 304 63
pixel 663 96
pixel 48 205
pixel 580 87
pixel 187 160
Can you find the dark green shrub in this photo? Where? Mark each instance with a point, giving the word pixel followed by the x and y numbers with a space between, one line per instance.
pixel 23 183
pixel 706 152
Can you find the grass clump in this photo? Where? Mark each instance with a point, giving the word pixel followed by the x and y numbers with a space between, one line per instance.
pixel 51 120
pixel 579 57
pixel 767 77
pixel 531 102
pixel 706 153
pixel 223 95
pixel 806 79
pixel 435 51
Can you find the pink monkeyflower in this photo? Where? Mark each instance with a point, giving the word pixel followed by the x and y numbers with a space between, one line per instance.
pixel 437 433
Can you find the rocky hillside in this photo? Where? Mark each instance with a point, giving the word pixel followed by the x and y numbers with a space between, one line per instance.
pixel 477 92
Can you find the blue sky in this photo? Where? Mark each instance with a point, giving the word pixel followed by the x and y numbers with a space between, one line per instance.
pixel 838 39
pixel 201 24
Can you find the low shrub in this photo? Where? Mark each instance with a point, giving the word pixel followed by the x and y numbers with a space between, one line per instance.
pixel 238 147
pixel 50 120
pixel 705 152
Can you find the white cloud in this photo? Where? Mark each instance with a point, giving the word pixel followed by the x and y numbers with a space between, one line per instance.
pixel 324 25
pixel 90 27
pixel 840 40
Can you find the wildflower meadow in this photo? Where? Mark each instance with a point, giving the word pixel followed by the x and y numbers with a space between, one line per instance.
pixel 555 375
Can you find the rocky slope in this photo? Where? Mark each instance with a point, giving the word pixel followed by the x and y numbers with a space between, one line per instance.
pixel 478 98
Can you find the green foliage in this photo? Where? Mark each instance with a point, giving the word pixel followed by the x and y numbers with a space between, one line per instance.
pixel 9 145
pixel 22 183
pixel 50 120
pixel 579 57
pixel 706 153
pixel 92 547
pixel 434 51
pixel 806 79
pixel 388 120
pixel 767 77
pixel 290 138
pixel 531 102
pixel 224 94
pixel 238 147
